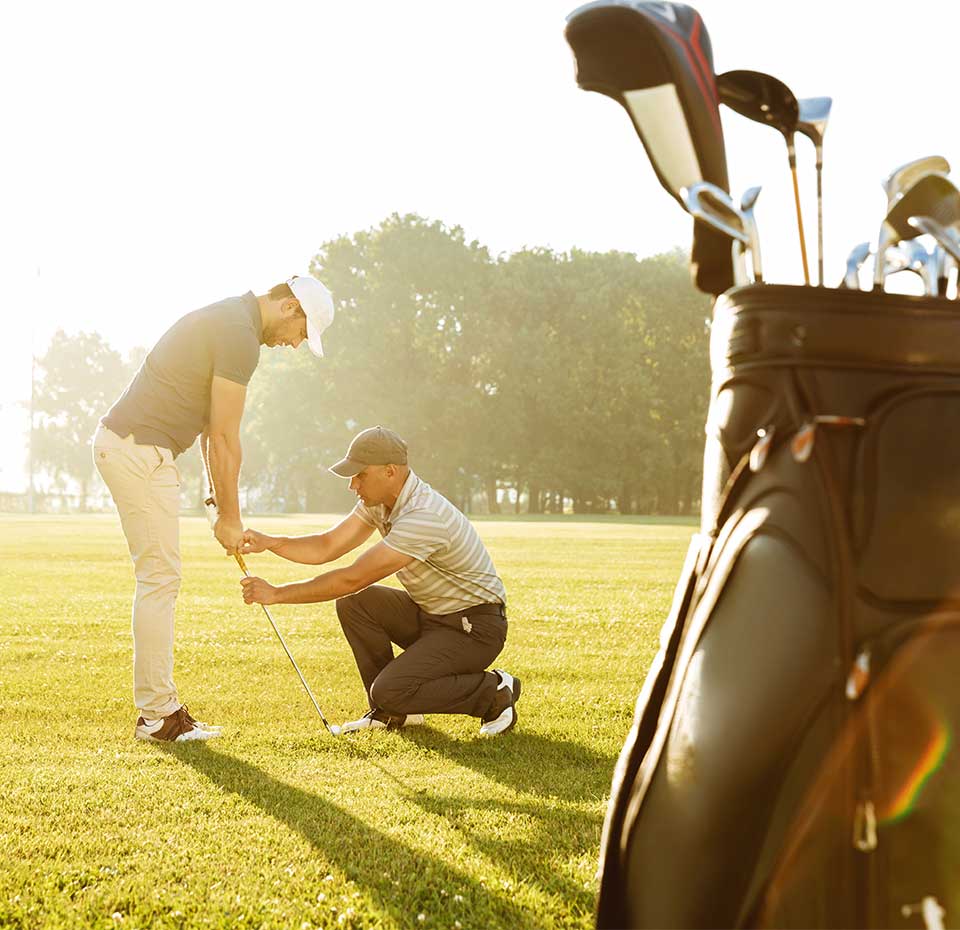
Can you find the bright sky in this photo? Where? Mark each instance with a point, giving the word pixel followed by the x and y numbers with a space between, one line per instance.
pixel 162 156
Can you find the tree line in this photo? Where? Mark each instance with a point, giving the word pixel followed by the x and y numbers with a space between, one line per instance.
pixel 535 381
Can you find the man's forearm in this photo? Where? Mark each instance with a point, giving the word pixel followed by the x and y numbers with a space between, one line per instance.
pixel 307 550
pixel 224 456
pixel 326 587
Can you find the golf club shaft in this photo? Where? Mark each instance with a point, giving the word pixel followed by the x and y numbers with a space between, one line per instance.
pixel 803 241
pixel 819 223
pixel 303 681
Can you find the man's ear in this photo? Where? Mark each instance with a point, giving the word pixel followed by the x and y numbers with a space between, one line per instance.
pixel 289 306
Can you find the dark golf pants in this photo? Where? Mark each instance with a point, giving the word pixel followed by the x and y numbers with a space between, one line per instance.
pixel 442 667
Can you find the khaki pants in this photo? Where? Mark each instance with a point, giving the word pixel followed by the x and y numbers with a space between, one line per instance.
pixel 145 486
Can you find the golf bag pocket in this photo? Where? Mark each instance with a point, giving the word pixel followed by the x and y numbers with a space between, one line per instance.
pixel 906 499
pixel 898 746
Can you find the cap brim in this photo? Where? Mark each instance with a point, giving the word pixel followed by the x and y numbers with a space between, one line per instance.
pixel 346 468
pixel 313 339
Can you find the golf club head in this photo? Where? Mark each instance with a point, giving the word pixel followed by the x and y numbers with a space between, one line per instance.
pixel 749 198
pixel 761 98
pixel 747 203
pixel 933 197
pixel 813 117
pixel 947 238
pixel 655 59
pixel 713 206
pixel 903 178
pixel 910 255
pixel 858 255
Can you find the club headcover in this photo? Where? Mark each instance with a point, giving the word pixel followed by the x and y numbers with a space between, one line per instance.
pixel 655 59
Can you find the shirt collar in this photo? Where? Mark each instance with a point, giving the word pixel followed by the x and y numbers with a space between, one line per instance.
pixel 403 498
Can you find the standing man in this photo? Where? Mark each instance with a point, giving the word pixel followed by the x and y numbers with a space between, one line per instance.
pixel 193 382
pixel 451 620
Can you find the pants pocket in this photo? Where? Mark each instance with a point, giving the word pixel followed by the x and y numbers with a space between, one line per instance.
pixel 488 629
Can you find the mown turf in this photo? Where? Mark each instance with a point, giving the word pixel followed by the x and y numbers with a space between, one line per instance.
pixel 277 824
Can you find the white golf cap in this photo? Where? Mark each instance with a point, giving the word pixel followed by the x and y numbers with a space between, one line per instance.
pixel 317 304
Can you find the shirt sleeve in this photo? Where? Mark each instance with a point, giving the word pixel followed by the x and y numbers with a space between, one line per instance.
pixel 235 354
pixel 419 534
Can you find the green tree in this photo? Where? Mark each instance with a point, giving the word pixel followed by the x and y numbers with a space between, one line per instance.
pixel 78 378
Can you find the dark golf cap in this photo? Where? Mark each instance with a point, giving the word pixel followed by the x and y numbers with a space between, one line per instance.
pixel 374 446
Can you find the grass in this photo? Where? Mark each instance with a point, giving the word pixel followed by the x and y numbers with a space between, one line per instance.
pixel 277 824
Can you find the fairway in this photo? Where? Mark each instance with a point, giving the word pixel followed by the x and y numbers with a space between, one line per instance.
pixel 277 824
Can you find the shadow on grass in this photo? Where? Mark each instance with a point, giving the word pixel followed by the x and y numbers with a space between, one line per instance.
pixel 528 762
pixel 541 838
pixel 362 852
pixel 541 841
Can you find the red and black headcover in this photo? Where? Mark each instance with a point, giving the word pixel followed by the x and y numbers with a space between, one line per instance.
pixel 656 60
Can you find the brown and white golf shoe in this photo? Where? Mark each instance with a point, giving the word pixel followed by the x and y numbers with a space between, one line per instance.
pixel 178 727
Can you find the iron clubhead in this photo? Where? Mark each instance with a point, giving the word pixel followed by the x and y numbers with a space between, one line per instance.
pixel 901 179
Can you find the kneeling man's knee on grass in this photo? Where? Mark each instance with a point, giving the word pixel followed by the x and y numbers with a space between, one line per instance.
pixel 393 693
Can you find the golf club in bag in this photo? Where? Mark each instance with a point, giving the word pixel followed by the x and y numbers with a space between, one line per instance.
pixel 655 60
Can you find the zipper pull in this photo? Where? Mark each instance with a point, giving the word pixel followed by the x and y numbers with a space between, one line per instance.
pixel 865 827
pixel 802 443
pixel 931 911
pixel 859 676
pixel 761 448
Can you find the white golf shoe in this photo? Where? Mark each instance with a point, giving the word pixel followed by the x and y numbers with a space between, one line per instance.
pixel 502 715
pixel 380 720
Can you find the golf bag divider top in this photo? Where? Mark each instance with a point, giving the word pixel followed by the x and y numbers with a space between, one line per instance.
pixel 790 762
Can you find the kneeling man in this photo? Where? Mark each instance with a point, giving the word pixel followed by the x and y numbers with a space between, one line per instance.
pixel 450 620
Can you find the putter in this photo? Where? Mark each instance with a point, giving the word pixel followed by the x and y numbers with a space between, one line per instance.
pixel 933 197
pixel 713 206
pixel 764 99
pixel 212 515
pixel 903 178
pixel 655 60
pixel 812 122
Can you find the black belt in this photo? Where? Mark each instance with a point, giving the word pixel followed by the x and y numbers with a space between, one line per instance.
pixel 481 610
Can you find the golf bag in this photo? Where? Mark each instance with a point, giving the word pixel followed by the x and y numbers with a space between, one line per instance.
pixel 791 761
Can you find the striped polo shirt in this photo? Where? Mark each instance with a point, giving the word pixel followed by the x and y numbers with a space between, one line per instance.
pixel 452 569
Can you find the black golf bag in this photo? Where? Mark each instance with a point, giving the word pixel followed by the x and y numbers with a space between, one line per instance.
pixel 792 761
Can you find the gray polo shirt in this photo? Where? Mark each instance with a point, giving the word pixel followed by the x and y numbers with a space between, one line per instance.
pixel 168 402
pixel 452 569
